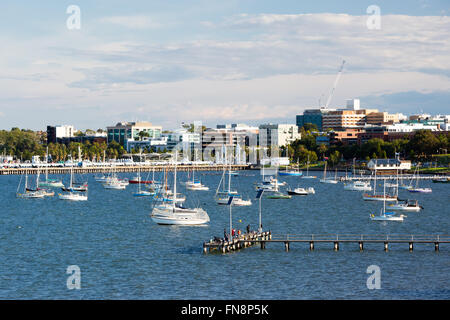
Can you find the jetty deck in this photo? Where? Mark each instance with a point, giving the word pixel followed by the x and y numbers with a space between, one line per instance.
pixel 334 239
pixel 126 168
pixel 393 177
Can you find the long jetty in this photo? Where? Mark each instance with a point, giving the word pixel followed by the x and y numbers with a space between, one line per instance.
pixel 393 177
pixel 264 238
pixel 125 168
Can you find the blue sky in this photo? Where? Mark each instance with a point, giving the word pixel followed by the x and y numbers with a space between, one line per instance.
pixel 217 61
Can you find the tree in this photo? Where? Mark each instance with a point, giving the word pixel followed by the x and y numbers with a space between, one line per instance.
pixel 310 127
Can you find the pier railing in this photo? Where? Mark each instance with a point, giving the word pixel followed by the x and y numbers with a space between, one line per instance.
pixel 360 239
pixel 406 238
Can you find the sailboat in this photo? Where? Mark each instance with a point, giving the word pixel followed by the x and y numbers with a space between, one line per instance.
pixel 294 172
pixel 175 214
pixel 307 171
pixel 55 183
pixel 416 188
pixel 195 185
pixel 141 193
pixel 75 186
pixel 26 194
pixel 222 197
pixel 113 182
pixel 47 193
pixel 74 193
pixel 379 197
pixel 386 216
pixel 276 194
pixel 328 180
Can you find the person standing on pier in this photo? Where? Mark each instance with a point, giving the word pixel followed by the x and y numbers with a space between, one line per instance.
pixel 248 228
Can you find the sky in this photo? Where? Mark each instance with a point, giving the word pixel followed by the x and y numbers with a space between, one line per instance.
pixel 248 61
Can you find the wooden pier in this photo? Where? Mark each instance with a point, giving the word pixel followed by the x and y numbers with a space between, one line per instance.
pixel 334 239
pixel 392 177
pixel 106 169
pixel 238 242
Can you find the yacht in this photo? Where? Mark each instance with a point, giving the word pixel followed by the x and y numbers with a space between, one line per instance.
pixel 74 196
pixel 358 186
pixel 408 205
pixel 174 213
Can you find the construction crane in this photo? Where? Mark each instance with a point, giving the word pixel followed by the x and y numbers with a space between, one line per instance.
pixel 335 84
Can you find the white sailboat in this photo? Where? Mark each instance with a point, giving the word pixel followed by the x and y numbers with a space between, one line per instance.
pixel 307 171
pixel 54 183
pixel 416 188
pixel 26 194
pixel 175 214
pixel 141 193
pixel 113 182
pixel 195 185
pixel 379 197
pixel 386 216
pixel 222 197
pixel 73 193
pixel 328 180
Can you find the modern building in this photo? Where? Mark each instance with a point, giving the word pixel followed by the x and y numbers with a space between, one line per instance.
pixel 124 131
pixel 183 139
pixel 60 131
pixel 278 134
pixel 313 116
pixel 382 118
pixel 347 137
pixel 147 144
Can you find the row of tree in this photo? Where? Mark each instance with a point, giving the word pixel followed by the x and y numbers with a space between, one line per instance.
pixel 422 146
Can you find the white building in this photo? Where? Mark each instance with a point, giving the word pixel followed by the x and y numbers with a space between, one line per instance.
pixel 410 127
pixel 389 164
pixel 64 131
pixel 157 144
pixel 278 134
pixel 353 104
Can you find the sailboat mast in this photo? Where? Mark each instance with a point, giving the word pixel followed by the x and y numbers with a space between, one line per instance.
pixel 175 182
pixel 46 165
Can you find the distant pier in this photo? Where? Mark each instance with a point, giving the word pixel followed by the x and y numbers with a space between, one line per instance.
pixel 125 168
pixel 335 240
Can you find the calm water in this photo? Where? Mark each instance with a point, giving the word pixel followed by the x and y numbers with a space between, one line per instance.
pixel 122 254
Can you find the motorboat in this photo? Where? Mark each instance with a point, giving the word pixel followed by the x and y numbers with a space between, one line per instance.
pixel 408 205
pixel 421 190
pixel 358 186
pixel 301 191
pixel 73 196
pixel 278 195
pixel 441 180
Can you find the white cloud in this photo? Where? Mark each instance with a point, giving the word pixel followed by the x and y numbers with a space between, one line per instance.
pixel 272 66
